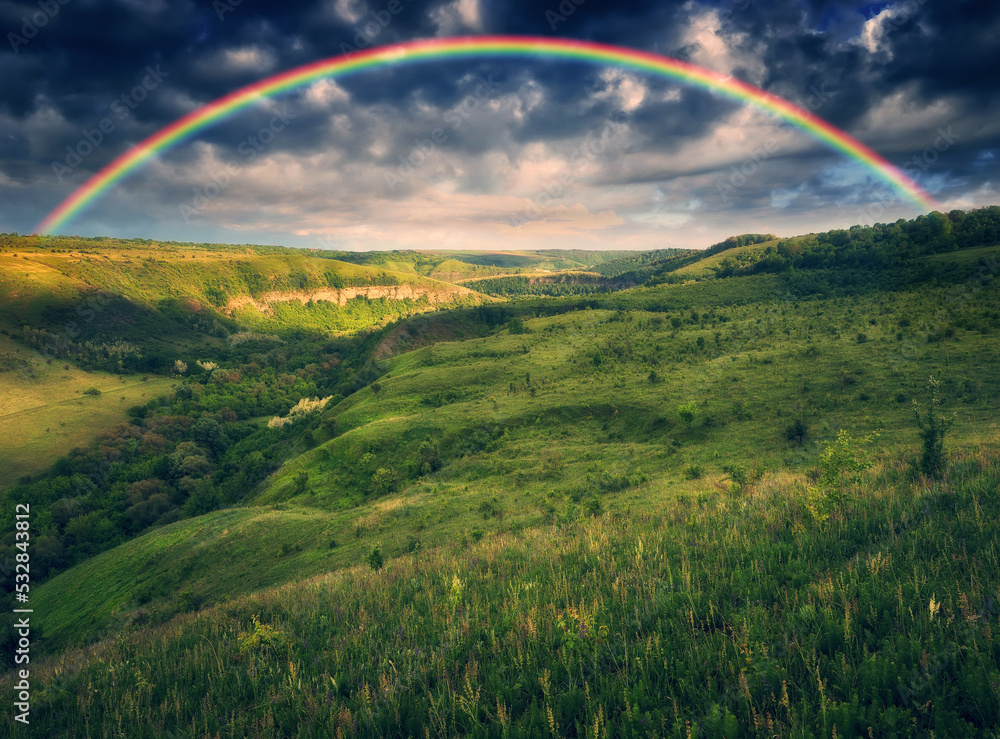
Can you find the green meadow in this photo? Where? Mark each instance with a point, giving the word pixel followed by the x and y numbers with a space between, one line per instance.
pixel 749 492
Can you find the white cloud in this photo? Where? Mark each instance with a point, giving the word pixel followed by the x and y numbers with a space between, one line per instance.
pixel 350 11
pixel 457 16
pixel 627 90
pixel 240 60
pixel 712 47
pixel 325 93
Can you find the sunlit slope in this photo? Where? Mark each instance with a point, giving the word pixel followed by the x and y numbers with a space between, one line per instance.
pixel 210 276
pixel 579 415
pixel 45 411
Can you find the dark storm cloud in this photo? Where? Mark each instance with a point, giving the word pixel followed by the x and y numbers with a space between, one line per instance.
pixel 91 59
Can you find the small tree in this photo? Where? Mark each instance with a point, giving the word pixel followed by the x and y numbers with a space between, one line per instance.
pixel 797 432
pixel 932 432
pixel 385 481
pixel 687 412
pixel 374 558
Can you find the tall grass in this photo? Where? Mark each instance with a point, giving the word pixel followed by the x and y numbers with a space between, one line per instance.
pixel 726 614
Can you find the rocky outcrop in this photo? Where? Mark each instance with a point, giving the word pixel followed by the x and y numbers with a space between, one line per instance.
pixel 340 296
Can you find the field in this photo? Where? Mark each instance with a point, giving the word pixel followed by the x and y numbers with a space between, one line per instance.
pixel 46 411
pixel 706 506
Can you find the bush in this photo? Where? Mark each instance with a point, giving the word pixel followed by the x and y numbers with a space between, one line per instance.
pixel 797 432
pixel 692 472
pixel 491 508
pixel 374 558
pixel 385 481
pixel 516 325
pixel 301 483
pixel 687 412
pixel 428 457
pixel 741 479
pixel 932 432
pixel 92 391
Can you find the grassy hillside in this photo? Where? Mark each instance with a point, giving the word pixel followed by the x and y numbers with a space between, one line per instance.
pixel 710 505
pixel 725 613
pixel 74 310
pixel 587 410
pixel 47 410
pixel 36 275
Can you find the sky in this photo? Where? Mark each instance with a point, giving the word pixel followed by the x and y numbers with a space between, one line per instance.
pixel 528 153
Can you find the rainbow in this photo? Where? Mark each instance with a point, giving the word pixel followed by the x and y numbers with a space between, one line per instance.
pixel 481 46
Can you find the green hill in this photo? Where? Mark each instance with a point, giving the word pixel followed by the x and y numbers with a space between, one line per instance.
pixel 709 505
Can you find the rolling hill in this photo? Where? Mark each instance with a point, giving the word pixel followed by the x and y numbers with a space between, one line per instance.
pixel 705 505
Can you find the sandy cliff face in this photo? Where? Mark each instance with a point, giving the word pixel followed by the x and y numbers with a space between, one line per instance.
pixel 341 296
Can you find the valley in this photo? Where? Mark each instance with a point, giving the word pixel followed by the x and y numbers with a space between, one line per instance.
pixel 526 493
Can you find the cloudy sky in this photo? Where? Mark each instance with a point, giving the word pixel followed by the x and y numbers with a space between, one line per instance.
pixel 528 154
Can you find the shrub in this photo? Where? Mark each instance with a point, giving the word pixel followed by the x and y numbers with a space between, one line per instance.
pixel 428 457
pixel 840 464
pixel 301 482
pixel 516 325
pixel 490 508
pixel 742 479
pixel 687 412
pixel 932 432
pixel 692 472
pixel 92 391
pixel 385 481
pixel 797 432
pixel 374 558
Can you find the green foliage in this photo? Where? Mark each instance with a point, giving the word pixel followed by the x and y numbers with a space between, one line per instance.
pixel 687 413
pixel 808 626
pixel 879 609
pixel 797 431
pixel 933 428
pixel 92 391
pixel 516 325
pixel 384 481
pixel 428 457
pixel 743 479
pixel 692 472
pixel 841 464
pixel 374 558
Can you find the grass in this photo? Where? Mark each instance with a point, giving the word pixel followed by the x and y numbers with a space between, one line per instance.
pixel 716 614
pixel 601 525
pixel 46 411
pixel 530 430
